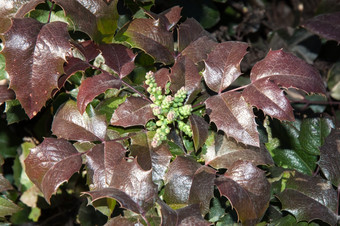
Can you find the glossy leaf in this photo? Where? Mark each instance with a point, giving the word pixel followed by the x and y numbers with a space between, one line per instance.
pixel 6 94
pixel 100 162
pixel 223 152
pixel 309 198
pixel 7 207
pixel 202 188
pixel 232 115
pixel 119 58
pixel 198 50
pixel 134 111
pixel 68 123
pixel 247 189
pixel 152 37
pixel 184 73
pixel 14 8
pixel 178 180
pixel 222 66
pixel 168 17
pixel 93 86
pixel 313 132
pixel 268 97
pixel 37 47
pixel 162 77
pixel 189 215
pixel 189 31
pixel 325 25
pixel 330 157
pixel 288 71
pixel 200 130
pixel 96 18
pixel 52 163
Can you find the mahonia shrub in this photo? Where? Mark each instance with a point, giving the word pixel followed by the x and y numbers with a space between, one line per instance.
pixel 148 111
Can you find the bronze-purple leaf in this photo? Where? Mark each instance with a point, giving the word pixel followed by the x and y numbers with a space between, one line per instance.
pixel 51 163
pixel 93 86
pixel 222 66
pixel 119 58
pixel 189 215
pixel 29 47
pixel 268 97
pixel 6 94
pixel 178 180
pixel 134 111
pixel 231 114
pixel 247 189
pixel 124 199
pixel 309 198
pixel 200 130
pixel 330 157
pixel 288 71
pixel 137 183
pixel 223 152
pixel 92 16
pixel 202 188
pixel 168 17
pixel 189 31
pixel 68 123
pixel 162 77
pixel 184 73
pixel 325 25
pixel 152 37
pixel 100 162
pixel 4 184
pixel 199 49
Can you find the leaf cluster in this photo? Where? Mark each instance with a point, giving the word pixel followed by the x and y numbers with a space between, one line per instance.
pixel 145 120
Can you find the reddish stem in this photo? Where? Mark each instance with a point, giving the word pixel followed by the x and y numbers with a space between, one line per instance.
pixel 49 15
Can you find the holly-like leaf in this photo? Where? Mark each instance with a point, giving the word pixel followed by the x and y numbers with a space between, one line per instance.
pixel 68 123
pixel 330 157
pixel 152 37
pixel 200 130
pixel 96 18
pixel 223 152
pixel 231 114
pixel 189 215
pixel 162 77
pixel 51 163
pixel 119 58
pixel 168 17
pixel 93 86
pixel 7 207
pixel 325 25
pixel 131 186
pixel 288 71
pixel 222 66
pixel 6 94
pixel 184 73
pixel 309 198
pixel 268 97
pixel 198 50
pixel 37 47
pixel 178 180
pixel 247 189
pixel 189 31
pixel 100 162
pixel 14 8
pixel 313 132
pixel 134 111
pixel 202 188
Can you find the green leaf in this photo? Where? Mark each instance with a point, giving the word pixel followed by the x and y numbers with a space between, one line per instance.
pixel 333 80
pixel 313 132
pixel 108 106
pixel 7 207
pixel 14 112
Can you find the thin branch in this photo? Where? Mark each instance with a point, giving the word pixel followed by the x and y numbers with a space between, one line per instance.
pixel 49 15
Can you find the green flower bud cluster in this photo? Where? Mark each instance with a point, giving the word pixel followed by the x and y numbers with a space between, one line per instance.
pixel 168 109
